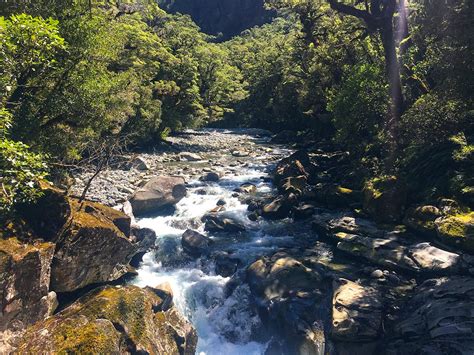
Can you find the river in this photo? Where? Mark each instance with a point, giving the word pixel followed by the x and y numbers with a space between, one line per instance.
pixel 226 324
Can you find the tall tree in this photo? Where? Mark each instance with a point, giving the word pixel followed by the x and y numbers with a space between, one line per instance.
pixel 379 15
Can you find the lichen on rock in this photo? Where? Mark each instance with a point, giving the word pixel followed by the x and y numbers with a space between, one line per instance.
pixel 113 320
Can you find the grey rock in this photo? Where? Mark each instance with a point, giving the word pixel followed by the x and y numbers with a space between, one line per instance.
pixel 158 193
pixel 195 243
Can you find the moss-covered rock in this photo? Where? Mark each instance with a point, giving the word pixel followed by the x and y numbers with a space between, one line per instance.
pixel 421 219
pixel 24 282
pixel 457 230
pixel 385 198
pixel 113 320
pixel 94 247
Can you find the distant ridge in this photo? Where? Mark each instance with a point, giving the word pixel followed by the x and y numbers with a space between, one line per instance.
pixel 221 18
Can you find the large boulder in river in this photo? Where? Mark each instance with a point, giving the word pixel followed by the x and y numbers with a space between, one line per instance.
pixel 297 164
pixel 288 294
pixel 221 222
pixel 24 283
pixel 194 243
pixel 356 312
pixel 117 320
pixel 158 193
pixel 279 208
pixel 95 247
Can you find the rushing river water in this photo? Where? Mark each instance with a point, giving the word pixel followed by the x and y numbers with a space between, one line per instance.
pixel 225 324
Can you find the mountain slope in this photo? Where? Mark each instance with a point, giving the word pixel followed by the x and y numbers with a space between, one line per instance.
pixel 223 18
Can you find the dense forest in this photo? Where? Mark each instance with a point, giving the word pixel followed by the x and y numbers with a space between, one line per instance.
pixel 393 85
pixel 237 176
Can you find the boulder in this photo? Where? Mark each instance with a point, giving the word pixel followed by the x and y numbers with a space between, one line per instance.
pixel 165 292
pixel 95 247
pixel 158 193
pixel 225 264
pixel 421 219
pixel 280 276
pixel 195 243
pixel 247 188
pixel 211 177
pixel 457 230
pixel 279 208
pixel 145 240
pixel 438 319
pixel 392 253
pixel 329 223
pixel 186 156
pixel 25 271
pixel 113 320
pixel 333 195
pixel 384 199
pixel 356 312
pixel 218 222
pixel 294 184
pixel 297 164
pixel 288 294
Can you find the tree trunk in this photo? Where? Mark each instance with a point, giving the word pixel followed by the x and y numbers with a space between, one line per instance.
pixel 392 67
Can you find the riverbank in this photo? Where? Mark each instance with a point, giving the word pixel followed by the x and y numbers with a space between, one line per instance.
pixel 266 249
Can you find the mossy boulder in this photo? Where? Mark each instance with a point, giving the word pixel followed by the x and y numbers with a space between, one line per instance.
pixel 421 219
pixel 385 198
pixel 24 283
pixel 113 320
pixel 95 247
pixel 457 230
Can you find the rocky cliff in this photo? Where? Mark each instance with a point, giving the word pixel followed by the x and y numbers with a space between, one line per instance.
pixel 223 18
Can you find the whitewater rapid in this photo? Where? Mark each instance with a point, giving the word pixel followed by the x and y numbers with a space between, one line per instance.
pixel 224 324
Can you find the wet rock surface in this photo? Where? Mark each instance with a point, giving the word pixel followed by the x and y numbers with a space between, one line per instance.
pixel 285 253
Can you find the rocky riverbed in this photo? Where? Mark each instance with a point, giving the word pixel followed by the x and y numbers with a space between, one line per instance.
pixel 245 246
pixel 281 255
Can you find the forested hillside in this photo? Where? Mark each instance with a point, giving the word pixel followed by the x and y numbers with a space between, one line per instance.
pixel 288 177
pixel 393 85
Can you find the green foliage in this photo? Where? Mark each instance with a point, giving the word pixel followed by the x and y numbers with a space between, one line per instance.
pixel 21 169
pixel 359 106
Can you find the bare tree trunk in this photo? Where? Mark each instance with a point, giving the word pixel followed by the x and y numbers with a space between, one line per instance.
pixel 395 109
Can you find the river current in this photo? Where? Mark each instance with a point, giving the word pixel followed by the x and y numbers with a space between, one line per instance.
pixel 225 324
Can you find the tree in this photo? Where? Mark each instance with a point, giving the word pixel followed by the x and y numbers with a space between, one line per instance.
pixel 21 169
pixel 378 15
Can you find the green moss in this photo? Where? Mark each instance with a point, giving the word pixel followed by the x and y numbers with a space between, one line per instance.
pixel 458 229
pixel 18 250
pixel 91 338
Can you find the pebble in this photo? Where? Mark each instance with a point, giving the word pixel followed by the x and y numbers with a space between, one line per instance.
pixel 212 146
